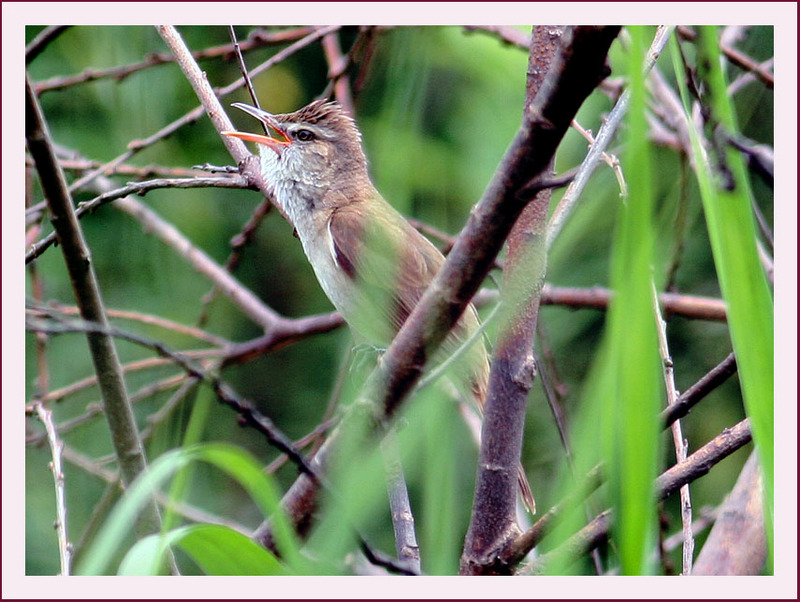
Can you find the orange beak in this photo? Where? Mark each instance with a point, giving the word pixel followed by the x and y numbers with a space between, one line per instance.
pixel 277 143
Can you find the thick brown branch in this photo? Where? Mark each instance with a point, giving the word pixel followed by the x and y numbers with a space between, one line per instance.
pixel 494 508
pixel 577 70
pixel 579 67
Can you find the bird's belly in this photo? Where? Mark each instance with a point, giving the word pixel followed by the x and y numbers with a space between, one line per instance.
pixel 362 313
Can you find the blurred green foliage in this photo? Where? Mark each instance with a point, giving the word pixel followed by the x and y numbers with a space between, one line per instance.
pixel 438 108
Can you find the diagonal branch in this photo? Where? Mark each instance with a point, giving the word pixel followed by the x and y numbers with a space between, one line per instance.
pixel 579 67
pixel 118 411
pixel 577 70
pixel 670 481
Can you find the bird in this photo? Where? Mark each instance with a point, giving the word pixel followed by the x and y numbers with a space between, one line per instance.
pixel 372 264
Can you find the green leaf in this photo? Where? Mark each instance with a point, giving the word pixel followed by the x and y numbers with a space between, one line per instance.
pixel 217 550
pixel 236 462
pixel 631 388
pixel 727 202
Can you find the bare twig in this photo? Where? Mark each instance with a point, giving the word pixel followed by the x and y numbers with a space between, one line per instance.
pixel 707 516
pixel 611 160
pixel 508 35
pixel 337 71
pixel 249 415
pixel 601 142
pixel 690 306
pixel 136 316
pixel 735 57
pixel 240 59
pixel 679 442
pixel 56 450
pixel 138 188
pixel 42 39
pixel 705 458
pixel 695 466
pixel 710 381
pixel 405 536
pixel 256 39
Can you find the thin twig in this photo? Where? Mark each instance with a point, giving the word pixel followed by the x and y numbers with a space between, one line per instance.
pixel 601 142
pixel 710 381
pixel 690 306
pixel 250 416
pixel 735 57
pixel 508 35
pixel 248 82
pixel 256 39
pixel 405 536
pixel 337 71
pixel 42 39
pixel 680 443
pixel 56 450
pixel 138 188
pixel 611 160
pixel 695 466
pixel 135 316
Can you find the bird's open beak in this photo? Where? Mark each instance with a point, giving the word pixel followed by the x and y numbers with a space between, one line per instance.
pixel 277 143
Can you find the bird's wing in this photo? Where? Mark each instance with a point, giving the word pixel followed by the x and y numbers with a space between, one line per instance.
pixel 390 261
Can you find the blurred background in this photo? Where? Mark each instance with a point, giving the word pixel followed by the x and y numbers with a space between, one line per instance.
pixel 437 107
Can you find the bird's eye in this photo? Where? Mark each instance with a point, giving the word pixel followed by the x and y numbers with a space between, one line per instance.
pixel 304 135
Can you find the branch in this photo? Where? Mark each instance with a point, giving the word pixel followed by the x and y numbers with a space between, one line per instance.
pixel 695 466
pixel 603 139
pixel 679 442
pixel 508 35
pixel 735 57
pixel 256 39
pixel 690 306
pixel 138 188
pixel 118 411
pixel 249 415
pixel 42 39
pixel 710 381
pixel 405 535
pixel 493 520
pixel 56 451
pixel 579 67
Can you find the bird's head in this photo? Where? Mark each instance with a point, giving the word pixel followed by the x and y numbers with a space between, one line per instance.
pixel 317 147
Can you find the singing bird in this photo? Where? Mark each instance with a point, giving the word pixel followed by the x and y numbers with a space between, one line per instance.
pixel 372 264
